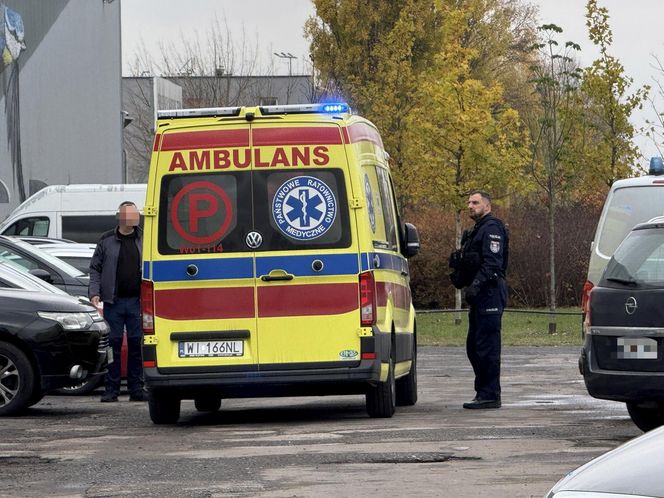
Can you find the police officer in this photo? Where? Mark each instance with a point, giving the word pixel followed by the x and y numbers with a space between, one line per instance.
pixel 479 268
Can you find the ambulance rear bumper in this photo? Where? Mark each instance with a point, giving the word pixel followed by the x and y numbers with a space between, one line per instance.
pixel 269 380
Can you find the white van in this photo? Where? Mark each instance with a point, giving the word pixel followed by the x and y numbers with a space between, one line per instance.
pixel 630 201
pixel 77 212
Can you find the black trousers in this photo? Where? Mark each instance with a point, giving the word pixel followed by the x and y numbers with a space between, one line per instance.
pixel 483 349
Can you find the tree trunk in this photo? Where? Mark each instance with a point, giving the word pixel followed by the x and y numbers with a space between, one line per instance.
pixel 552 260
pixel 457 293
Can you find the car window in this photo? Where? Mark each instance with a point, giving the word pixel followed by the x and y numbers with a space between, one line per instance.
pixel 18 277
pixel 209 213
pixel 81 263
pixel 88 228
pixel 214 213
pixel 31 263
pixel 629 207
pixel 37 226
pixel 299 210
pixel 640 258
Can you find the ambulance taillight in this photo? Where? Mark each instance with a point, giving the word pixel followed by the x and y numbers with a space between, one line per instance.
pixel 367 299
pixel 147 306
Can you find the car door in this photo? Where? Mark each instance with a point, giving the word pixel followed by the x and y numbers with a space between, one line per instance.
pixel 307 265
pixel 199 262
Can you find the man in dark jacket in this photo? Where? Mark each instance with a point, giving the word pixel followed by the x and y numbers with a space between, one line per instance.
pixel 115 280
pixel 479 268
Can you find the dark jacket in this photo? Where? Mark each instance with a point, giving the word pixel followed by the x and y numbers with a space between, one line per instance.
pixel 104 264
pixel 481 263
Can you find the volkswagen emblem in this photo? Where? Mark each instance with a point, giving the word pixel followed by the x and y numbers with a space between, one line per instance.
pixel 254 240
pixel 630 306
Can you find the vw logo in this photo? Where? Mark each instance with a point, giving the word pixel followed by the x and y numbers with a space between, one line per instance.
pixel 254 240
pixel 630 306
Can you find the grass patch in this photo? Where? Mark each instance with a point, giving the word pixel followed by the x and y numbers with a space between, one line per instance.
pixel 519 329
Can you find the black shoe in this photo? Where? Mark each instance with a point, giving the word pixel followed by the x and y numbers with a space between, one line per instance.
pixel 138 396
pixel 481 404
pixel 109 397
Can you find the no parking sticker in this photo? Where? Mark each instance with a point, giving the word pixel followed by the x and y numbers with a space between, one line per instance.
pixel 304 208
pixel 199 201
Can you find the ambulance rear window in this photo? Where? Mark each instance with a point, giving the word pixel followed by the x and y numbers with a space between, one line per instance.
pixel 200 214
pixel 303 209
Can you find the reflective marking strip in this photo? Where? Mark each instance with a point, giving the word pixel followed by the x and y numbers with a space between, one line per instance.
pixel 204 304
pixel 333 264
pixel 385 262
pixel 208 269
pixel 321 135
pixel 146 270
pixel 205 139
pixel 307 300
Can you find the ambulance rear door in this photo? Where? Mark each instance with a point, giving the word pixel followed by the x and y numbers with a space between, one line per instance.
pixel 307 265
pixel 201 266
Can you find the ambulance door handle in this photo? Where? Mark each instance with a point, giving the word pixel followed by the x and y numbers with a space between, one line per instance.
pixel 404 273
pixel 276 275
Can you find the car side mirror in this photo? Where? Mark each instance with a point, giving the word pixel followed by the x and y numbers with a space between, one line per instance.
pixel 412 240
pixel 43 274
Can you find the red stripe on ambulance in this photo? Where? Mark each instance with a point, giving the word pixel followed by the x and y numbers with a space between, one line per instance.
pixel 307 300
pixel 296 136
pixel 204 304
pixel 401 296
pixel 205 139
pixel 359 132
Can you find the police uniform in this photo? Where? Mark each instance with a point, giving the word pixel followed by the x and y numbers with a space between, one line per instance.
pixel 479 268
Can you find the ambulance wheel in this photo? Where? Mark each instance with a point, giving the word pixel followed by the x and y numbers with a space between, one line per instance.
pixel 407 386
pixel 17 380
pixel 381 397
pixel 646 418
pixel 207 404
pixel 164 408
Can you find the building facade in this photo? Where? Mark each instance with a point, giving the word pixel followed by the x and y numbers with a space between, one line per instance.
pixel 60 95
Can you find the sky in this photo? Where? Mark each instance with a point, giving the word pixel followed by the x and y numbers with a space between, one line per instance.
pixel 278 26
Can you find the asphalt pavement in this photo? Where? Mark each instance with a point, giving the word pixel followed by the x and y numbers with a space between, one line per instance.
pixel 324 446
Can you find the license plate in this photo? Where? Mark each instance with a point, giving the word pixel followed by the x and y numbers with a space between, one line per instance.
pixel 636 348
pixel 194 349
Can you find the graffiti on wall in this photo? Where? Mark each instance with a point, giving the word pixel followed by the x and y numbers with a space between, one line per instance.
pixel 12 43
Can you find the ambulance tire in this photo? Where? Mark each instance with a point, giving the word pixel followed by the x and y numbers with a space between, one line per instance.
pixel 207 404
pixel 381 398
pixel 164 408
pixel 407 386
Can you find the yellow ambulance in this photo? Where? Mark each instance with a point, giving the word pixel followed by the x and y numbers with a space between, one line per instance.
pixel 274 261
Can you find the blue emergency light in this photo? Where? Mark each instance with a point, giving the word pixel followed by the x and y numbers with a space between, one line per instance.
pixel 335 108
pixel 656 166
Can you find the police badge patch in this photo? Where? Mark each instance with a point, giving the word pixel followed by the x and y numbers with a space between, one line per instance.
pixel 494 246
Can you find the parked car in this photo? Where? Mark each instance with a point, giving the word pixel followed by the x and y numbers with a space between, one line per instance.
pixel 34 240
pixel 16 277
pixel 47 341
pixel 77 255
pixel 623 352
pixel 631 470
pixel 44 265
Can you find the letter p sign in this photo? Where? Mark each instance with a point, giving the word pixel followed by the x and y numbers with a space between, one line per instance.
pixel 201 205
pixel 196 203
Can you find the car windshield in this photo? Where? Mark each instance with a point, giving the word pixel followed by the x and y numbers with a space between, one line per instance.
pixel 14 275
pixel 639 260
pixel 7 253
pixel 629 207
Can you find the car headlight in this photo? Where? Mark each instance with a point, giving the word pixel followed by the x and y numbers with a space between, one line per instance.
pixel 69 321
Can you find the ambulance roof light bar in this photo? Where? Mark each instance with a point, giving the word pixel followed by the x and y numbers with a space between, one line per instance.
pixel 199 113
pixel 326 108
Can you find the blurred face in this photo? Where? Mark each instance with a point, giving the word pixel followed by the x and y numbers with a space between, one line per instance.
pixel 478 206
pixel 129 216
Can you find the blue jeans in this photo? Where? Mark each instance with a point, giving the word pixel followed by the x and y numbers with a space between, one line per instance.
pixel 125 312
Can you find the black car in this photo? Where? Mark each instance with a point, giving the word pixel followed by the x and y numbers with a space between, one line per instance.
pixel 42 264
pixel 47 341
pixel 623 352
